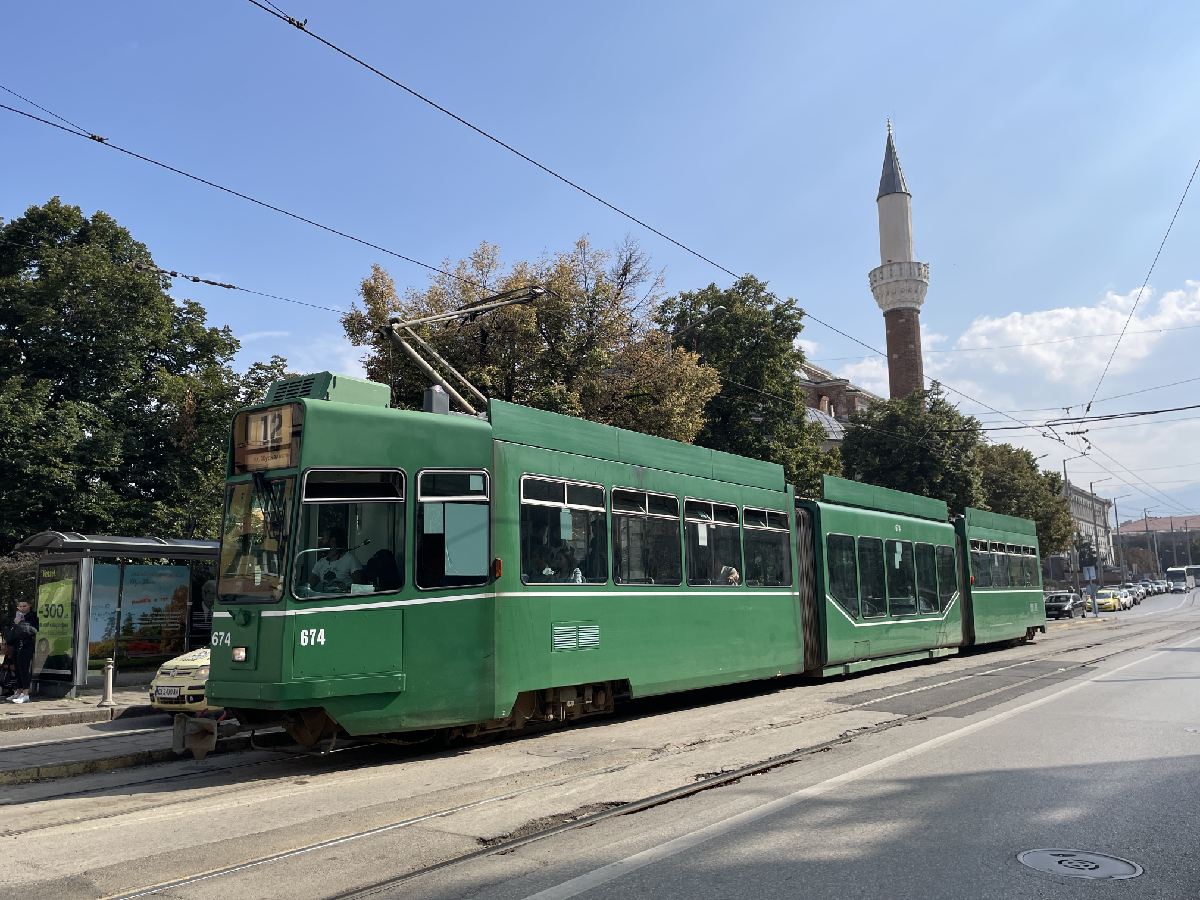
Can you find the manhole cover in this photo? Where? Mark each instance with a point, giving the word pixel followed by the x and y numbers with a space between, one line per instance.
pixel 1080 864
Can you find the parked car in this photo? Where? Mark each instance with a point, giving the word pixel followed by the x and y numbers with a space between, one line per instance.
pixel 1135 592
pixel 1110 600
pixel 1063 604
pixel 1150 587
pixel 1164 586
pixel 180 685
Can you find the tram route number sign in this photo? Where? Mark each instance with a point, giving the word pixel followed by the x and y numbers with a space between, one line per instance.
pixel 268 438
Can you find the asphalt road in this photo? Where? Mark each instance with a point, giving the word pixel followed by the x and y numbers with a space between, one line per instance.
pixel 941 808
pixel 924 779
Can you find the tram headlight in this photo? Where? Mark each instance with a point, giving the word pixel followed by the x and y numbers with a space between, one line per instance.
pixel 239 654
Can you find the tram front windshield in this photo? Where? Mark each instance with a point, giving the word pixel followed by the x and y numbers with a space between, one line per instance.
pixel 254 540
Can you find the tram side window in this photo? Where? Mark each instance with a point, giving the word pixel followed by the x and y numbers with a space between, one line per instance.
pixel 351 538
pixel 768 548
pixel 645 535
pixel 981 566
pixel 947 576
pixel 452 529
pixel 1016 576
pixel 902 599
pixel 843 572
pixel 1029 565
pixel 999 570
pixel 714 547
pixel 927 588
pixel 870 578
pixel 563 536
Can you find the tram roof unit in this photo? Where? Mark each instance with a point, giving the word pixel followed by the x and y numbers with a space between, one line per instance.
pixel 515 424
pixel 995 526
pixel 845 492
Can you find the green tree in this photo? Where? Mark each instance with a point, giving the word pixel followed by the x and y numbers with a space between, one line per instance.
pixel 1014 485
pixel 115 399
pixel 749 336
pixel 921 444
pixel 587 349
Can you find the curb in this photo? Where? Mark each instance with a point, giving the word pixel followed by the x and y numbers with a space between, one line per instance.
pixel 107 764
pixel 86 716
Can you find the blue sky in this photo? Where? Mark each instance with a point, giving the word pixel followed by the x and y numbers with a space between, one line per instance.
pixel 1046 146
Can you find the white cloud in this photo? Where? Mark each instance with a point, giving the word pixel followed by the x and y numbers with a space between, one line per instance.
pixel 262 335
pixel 1047 333
pixel 326 354
pixel 871 373
pixel 1050 375
pixel 809 347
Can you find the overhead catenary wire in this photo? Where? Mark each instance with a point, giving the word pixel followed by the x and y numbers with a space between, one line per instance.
pixel 1145 282
pixel 302 26
pixel 247 197
pixel 1020 346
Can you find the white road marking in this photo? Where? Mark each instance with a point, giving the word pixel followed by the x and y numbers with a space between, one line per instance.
pixel 621 867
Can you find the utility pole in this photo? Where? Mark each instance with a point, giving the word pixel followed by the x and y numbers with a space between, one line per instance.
pixel 1120 543
pixel 1174 545
pixel 1146 521
pixel 1187 537
pixel 1098 571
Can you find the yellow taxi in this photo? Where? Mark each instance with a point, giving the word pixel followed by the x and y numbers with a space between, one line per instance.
pixel 180 683
pixel 1110 601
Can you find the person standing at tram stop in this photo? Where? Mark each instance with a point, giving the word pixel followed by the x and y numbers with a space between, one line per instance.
pixel 335 569
pixel 22 635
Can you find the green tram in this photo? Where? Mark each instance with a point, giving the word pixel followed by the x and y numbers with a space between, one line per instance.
pixel 398 572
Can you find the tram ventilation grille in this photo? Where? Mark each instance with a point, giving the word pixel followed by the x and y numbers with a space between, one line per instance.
pixel 567 636
pixel 293 390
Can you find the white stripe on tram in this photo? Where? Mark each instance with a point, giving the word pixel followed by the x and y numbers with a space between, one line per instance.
pixel 424 601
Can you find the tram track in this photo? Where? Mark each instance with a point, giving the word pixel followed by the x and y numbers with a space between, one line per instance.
pixel 702 783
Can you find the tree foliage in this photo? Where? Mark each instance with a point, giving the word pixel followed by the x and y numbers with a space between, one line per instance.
pixel 587 349
pixel 921 444
pixel 115 400
pixel 1014 485
pixel 752 344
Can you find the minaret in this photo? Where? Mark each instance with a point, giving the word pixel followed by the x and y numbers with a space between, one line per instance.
pixel 900 282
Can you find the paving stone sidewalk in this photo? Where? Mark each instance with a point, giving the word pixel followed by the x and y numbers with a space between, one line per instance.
pixel 131 701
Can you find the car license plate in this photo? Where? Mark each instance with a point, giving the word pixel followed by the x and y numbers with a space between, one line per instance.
pixel 166 692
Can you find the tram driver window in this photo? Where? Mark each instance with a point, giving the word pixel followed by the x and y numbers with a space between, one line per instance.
pixel 452 529
pixel 563 534
pixel 351 538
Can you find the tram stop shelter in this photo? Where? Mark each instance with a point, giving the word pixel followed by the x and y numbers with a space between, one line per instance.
pixel 139 600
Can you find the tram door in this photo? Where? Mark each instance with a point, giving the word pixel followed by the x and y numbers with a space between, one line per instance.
pixel 965 592
pixel 810 610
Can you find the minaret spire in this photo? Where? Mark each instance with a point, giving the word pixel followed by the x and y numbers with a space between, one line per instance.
pixel 899 283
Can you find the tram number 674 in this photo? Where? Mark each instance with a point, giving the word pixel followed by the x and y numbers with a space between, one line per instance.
pixel 310 637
